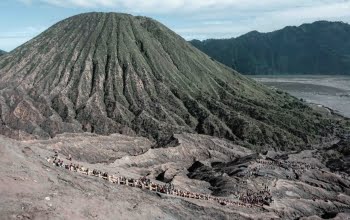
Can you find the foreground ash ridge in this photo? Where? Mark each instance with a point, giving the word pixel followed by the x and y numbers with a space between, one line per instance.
pixel 114 73
pixel 294 186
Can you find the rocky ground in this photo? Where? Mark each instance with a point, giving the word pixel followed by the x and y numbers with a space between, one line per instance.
pixel 301 185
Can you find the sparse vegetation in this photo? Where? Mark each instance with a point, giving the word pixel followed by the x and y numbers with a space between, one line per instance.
pixel 114 73
pixel 318 48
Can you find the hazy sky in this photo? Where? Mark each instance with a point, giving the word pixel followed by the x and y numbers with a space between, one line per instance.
pixel 21 20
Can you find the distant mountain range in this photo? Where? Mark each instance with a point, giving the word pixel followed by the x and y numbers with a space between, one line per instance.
pixel 319 48
pixel 2 52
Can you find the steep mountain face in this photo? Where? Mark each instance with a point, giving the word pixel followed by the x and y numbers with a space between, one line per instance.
pixel 318 48
pixel 114 73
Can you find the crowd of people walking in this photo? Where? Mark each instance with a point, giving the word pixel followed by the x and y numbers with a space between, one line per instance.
pixel 248 199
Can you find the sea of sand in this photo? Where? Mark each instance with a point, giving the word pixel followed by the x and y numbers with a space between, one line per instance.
pixel 330 91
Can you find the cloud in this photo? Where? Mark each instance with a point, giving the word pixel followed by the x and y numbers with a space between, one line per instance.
pixel 184 5
pixel 27 2
pixel 11 39
pixel 220 30
pixel 217 18
pixel 332 10
pixel 201 8
pixel 237 22
pixel 23 33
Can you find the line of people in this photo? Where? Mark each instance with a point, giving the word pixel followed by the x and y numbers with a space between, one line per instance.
pixel 262 197
pixel 249 200
pixel 287 164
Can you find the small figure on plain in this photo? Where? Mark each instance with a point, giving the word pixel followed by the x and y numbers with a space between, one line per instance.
pixel 69 157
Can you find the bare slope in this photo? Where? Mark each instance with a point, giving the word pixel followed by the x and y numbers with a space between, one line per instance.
pixel 32 188
pixel 114 73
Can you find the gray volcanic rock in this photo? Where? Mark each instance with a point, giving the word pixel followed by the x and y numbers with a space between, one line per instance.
pixel 114 73
pixel 2 52
pixel 32 188
pixel 337 157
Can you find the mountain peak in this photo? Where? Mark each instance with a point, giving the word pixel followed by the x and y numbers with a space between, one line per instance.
pixel 115 73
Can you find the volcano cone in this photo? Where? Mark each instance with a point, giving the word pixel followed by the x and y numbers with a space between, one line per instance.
pixel 115 73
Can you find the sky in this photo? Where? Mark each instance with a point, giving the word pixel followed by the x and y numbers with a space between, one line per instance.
pixel 21 20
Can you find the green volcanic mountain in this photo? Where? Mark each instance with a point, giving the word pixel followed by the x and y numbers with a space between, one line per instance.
pixel 318 48
pixel 115 73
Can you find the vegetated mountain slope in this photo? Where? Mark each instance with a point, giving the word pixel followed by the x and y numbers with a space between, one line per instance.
pixel 114 73
pixel 318 48
pixel 2 52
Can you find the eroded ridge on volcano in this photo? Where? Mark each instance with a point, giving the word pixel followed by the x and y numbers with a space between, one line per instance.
pixel 115 73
